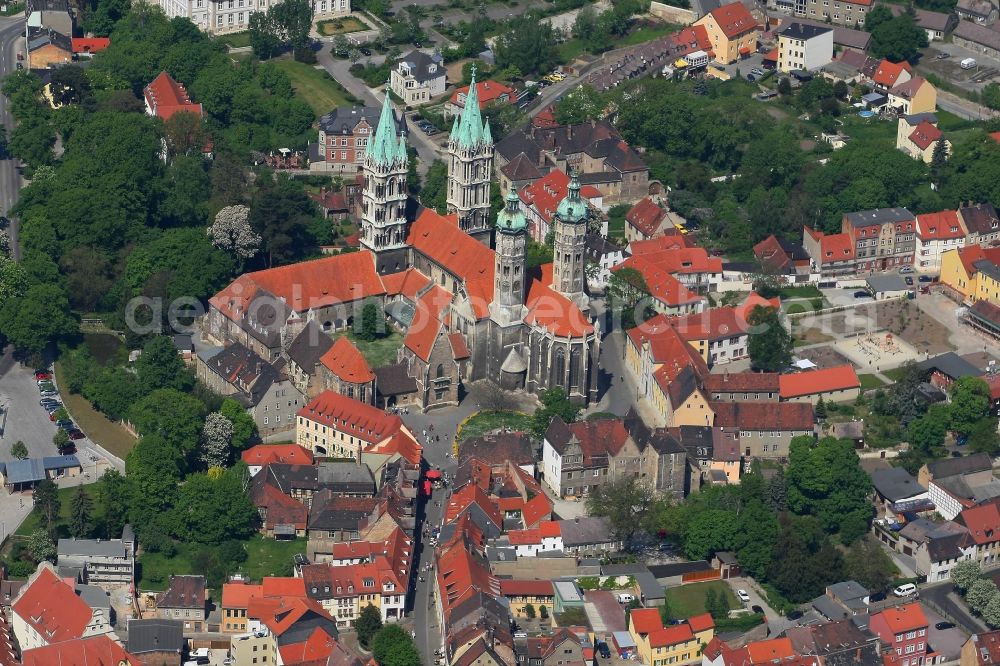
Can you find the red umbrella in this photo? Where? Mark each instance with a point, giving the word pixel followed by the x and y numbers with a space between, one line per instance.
pixel 433 474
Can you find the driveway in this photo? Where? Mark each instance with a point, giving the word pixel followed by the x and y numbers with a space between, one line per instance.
pixel 943 599
pixel 776 623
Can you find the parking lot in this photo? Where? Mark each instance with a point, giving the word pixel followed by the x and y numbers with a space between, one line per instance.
pixel 986 69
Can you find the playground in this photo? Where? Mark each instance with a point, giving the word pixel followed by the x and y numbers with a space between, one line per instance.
pixel 878 351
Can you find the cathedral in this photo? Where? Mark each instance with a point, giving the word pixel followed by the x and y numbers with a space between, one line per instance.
pixel 456 285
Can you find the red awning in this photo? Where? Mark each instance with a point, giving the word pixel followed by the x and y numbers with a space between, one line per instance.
pixel 744 50
pixel 433 474
pixel 427 488
pixel 772 55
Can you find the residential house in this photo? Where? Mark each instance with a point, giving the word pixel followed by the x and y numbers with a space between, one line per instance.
pixel 522 593
pixel 88 650
pixel 839 642
pixel 101 562
pixel 164 97
pixel 732 30
pixel 916 95
pixel 943 370
pixel 983 523
pixel 804 47
pixel 935 547
pixel 836 384
pixel 721 335
pixel 336 425
pixel 488 92
pixel 904 630
pixel 263 387
pixel 156 642
pixel 936 234
pixel 668 295
pixel 754 653
pixel 343 591
pixel 659 645
pixel 781 257
pixel 589 536
pixel 291 630
pixel 831 254
pixel 605 256
pixel 973 272
pixel 896 490
pixel 218 17
pixel 885 238
pixel 540 199
pixel 764 429
pixel 48 48
pixel 744 386
pixel 564 648
pixel 692 266
pixel 978 12
pixel 937 25
pixel 418 78
pixel 88 46
pixel 951 494
pixel 982 223
pixel 649 219
pixel 184 599
pixel 885 74
pixel 343 138
pixel 918 135
pixel 981 649
pixel 976 37
pixel 236 597
pixel 261 455
pixel 47 611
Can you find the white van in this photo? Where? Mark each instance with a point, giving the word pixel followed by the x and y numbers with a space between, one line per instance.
pixel 625 598
pixel 905 590
pixel 968 63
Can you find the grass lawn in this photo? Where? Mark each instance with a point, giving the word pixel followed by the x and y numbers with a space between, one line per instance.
pixel 570 50
pixel 314 86
pixel 895 374
pixel 646 34
pixel 379 352
pixel 483 422
pixel 689 600
pixel 265 557
pixel 34 519
pixel 237 39
pixel 804 291
pixel 98 428
pixel 340 26
pixel 869 382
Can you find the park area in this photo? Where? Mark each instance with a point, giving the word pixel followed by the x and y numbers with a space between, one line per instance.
pixel 340 26
pixel 481 423
pixel 689 600
pixel 314 86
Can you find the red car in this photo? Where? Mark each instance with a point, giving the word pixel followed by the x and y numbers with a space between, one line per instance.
pixel 42 375
pixel 75 434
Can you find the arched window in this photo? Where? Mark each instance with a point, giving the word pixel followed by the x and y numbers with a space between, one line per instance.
pixel 574 367
pixel 440 371
pixel 559 366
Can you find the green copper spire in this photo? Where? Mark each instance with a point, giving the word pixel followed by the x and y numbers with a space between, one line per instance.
pixel 572 209
pixel 470 125
pixel 511 219
pixel 383 147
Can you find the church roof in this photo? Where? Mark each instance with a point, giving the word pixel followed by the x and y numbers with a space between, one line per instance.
pixel 551 310
pixel 511 219
pixel 384 148
pixel 428 319
pixel 572 208
pixel 346 361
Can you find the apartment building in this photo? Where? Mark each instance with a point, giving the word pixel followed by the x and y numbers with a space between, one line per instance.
pixel 101 562
pixel 804 47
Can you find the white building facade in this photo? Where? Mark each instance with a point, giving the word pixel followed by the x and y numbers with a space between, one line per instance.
pixel 804 47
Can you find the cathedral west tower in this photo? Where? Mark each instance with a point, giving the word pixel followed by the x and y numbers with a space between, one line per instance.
pixel 570 231
pixel 470 167
pixel 383 218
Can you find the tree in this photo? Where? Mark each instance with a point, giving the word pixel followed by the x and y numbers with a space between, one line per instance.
pixel 61 439
pixel 160 366
pixel 392 646
pixel 70 85
pixel 897 39
pixel 112 497
pixel 543 611
pixel 776 492
pixel 965 574
pixel 216 440
pixel 13 279
pixel 232 233
pixel 939 158
pixel 529 610
pixel 42 315
pixel 46 497
pixel 244 427
pixel 825 479
pixel 372 321
pixel 970 401
pixel 435 190
pixel 554 403
pixel 877 16
pixel 629 296
pixel 840 90
pixel 213 510
pixel 867 563
pixel 263 39
pixel 19 450
pixel 785 86
pixel 714 530
pixel 81 510
pixel 580 105
pixel 281 213
pixel 991 613
pixel 990 95
pixel 926 434
pixel 820 409
pixel 39 546
pixel 625 502
pixel 368 624
pixel 769 345
pixel 171 415
pixel 984 438
pixel 528 44
pixel 185 134
pixel 980 594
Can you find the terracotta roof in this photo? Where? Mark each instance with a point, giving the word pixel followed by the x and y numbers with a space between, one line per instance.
pixel 672 635
pixel 662 285
pixel 942 225
pixel 406 446
pixel 238 595
pixel 406 283
pixel 461 576
pixel 764 651
pixel 307 285
pixel 351 416
pixel 428 322
pixel 536 509
pixel 764 416
pixel 488 92
pixel 51 608
pixel 90 44
pixel 471 494
pixel 908 617
pixel 545 193
pixel 92 651
pixel 282 586
pixel 263 454
pixel 676 260
pixel 545 119
pixel 312 651
pixel 833 247
pixel 167 97
pixel 909 88
pixel 645 215
pixel 645 620
pixel 987 648
pixel 691 38
pixel 441 240
pixel 459 349
pixel 970 255
pixel 523 588
pixel 700 623
pixel 823 380
pixel 888 73
pixel 667 347
pixel 712 324
pixel 743 382
pixel 734 19
pixel 983 522
pixel 347 362
pixel 279 508
pixel 551 310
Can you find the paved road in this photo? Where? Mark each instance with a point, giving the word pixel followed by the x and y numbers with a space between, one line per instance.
pixel 942 596
pixel 776 623
pixel 11 32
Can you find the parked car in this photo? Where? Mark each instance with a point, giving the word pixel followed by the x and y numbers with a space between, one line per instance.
pixel 905 590
pixel 944 625
pixel 942 56
pixel 66 424
pixel 909 280
pixel 757 71
pixel 45 402
pixel 757 609
pixel 906 269
pixel 925 278
pixel 365 51
pixel 42 374
pixel 794 615
pixel 744 597
pixel 874 597
pixel 75 434
pixel 48 394
pixel 862 294
pixel 605 651
pixel 625 598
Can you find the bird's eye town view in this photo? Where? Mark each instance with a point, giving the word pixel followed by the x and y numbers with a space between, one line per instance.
pixel 499 332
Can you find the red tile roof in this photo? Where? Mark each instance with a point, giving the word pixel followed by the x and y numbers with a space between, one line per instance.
pixel 90 44
pixel 833 247
pixel 908 617
pixel 666 346
pixel 987 652
pixel 92 651
pixel 645 215
pixel 993 381
pixel 407 283
pixel 887 73
pixel 314 650
pixel 983 523
pixel 440 239
pixel 672 635
pixel 402 443
pixel 238 595
pixel 263 454
pixel 764 651
pixel 743 382
pixel 459 349
pixel 347 362
pixel 712 324
pixel 700 623
pixel 307 285
pixel 524 588
pixel 465 497
pixel 279 508
pixel 545 119
pixel 840 378
pixel 676 260
pixel 282 586
pixel 924 135
pixel 166 97
pixel 764 416
pixel 662 285
pixel 908 88
pixel 351 416
pixel 691 38
pixel 938 226
pixel 645 620
pixel 461 576
pixel 545 193
pixel 734 19
pixel 551 310
pixel 50 607
pixel 428 320
pixel 487 91
pixel 536 510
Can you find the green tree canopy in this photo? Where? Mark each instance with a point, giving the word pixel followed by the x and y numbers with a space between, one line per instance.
pixel 624 502
pixel 825 480
pixel 160 366
pixel 970 400
pixel 173 416
pixel 769 344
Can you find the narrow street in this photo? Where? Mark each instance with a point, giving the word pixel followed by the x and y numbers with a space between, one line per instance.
pixel 11 33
